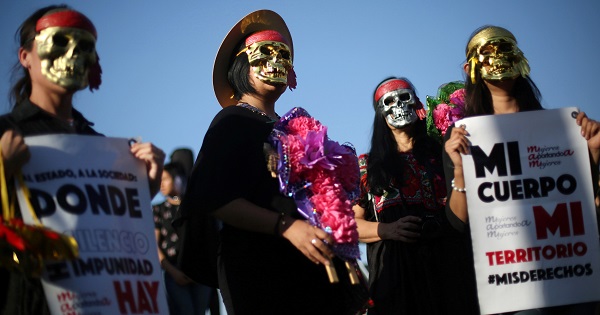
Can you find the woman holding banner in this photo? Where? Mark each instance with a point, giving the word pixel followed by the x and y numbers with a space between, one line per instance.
pixel 498 82
pixel 58 58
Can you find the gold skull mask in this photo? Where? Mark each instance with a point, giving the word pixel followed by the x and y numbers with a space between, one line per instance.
pixel 495 52
pixel 66 55
pixel 270 61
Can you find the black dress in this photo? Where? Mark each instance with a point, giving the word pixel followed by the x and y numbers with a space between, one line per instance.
pixel 430 276
pixel 257 273
pixel 20 294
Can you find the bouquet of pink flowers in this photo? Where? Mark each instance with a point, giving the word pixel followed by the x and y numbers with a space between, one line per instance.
pixel 445 109
pixel 321 175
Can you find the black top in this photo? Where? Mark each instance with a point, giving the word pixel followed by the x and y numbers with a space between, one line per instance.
pixel 431 276
pixel 260 273
pixel 19 294
pixel 163 214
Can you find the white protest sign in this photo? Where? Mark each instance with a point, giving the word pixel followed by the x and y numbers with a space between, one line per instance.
pixel 531 211
pixel 93 188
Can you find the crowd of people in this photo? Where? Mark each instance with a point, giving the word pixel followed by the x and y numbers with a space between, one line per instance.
pixel 225 223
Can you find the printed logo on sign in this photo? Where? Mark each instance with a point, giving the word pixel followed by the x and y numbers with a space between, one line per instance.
pixel 545 156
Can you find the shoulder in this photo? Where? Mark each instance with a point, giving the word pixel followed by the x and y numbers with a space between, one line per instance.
pixel 230 115
pixel 235 111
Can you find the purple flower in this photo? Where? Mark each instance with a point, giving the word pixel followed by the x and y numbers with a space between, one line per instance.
pixel 321 152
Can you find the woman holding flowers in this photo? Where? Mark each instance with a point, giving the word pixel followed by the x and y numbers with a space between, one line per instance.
pixel 270 260
pixel 411 248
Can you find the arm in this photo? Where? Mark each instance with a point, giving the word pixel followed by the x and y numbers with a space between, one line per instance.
pixel 590 130
pixel 14 152
pixel 245 215
pixel 401 230
pixel 154 159
pixel 454 146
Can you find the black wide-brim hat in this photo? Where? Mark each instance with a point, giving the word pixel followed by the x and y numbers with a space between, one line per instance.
pixel 256 21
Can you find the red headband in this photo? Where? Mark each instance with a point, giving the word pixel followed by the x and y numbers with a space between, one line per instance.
pixel 67 18
pixel 265 35
pixel 391 85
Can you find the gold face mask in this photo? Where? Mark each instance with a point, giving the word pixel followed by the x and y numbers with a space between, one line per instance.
pixel 66 55
pixel 270 61
pixel 495 52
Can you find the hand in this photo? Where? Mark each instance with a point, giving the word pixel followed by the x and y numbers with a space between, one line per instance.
pixel 311 241
pixel 14 152
pixel 457 144
pixel 154 159
pixel 405 229
pixel 589 130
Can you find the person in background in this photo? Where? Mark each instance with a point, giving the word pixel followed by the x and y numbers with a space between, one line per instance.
pixel 411 248
pixel 269 259
pixel 183 294
pixel 185 157
pixel 498 82
pixel 57 56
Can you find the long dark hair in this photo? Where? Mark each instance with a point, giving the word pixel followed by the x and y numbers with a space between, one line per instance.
pixel 25 35
pixel 384 163
pixel 479 100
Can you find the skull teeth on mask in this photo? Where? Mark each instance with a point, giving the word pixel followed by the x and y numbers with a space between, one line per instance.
pixel 270 61
pixel 398 107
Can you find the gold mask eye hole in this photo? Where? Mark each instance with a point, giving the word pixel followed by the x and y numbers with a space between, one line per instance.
pixel 505 47
pixel 285 54
pixel 487 50
pixel 266 49
pixel 60 40
pixel 86 46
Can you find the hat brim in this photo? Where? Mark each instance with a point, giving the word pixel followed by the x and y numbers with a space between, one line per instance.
pixel 256 21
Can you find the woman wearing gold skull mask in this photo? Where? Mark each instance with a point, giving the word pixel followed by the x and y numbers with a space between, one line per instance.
pixel 498 82
pixel 269 260
pixel 58 58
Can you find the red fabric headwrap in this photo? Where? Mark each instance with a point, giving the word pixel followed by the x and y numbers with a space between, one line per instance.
pixel 66 19
pixel 265 35
pixel 70 18
pixel 391 85
pixel 396 84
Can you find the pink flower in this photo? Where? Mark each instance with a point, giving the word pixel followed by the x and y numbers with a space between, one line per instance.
pixel 445 115
pixel 328 169
pixel 302 125
pixel 440 117
pixel 458 98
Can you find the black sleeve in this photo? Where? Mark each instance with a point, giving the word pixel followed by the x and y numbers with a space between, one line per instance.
pixel 230 162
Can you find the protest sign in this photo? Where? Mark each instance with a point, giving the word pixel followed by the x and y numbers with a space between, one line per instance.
pixel 531 210
pixel 93 189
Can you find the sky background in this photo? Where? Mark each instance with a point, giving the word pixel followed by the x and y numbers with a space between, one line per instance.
pixel 157 57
